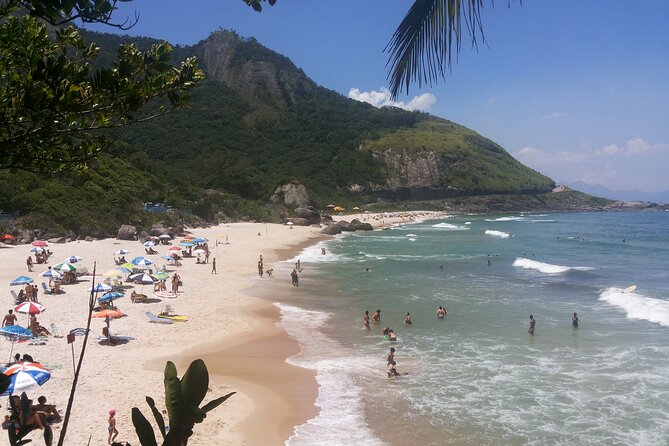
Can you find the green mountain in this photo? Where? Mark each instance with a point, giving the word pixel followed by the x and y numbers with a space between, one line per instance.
pixel 256 123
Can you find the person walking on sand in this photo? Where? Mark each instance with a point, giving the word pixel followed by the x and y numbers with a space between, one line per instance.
pixel 29 262
pixel 10 319
pixel 533 324
pixel 574 320
pixel 213 266
pixel 175 283
pixel 111 426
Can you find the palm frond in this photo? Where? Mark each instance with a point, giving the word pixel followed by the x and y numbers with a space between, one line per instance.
pixel 422 46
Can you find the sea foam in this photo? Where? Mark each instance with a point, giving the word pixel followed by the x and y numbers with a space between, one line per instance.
pixel 497 233
pixel 546 268
pixel 505 219
pixel 638 306
pixel 341 418
pixel 450 227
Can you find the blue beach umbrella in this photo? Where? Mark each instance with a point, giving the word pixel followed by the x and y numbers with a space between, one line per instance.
pixel 73 259
pixel 200 240
pixel 186 244
pixel 109 297
pixel 51 273
pixel 16 332
pixel 121 252
pixel 21 280
pixel 149 243
pixel 36 249
pixel 100 288
pixel 24 376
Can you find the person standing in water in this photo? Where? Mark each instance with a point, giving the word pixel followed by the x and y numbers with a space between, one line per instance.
pixel 574 320
pixel 441 312
pixel 533 323
pixel 407 319
pixel 376 317
pixel 365 319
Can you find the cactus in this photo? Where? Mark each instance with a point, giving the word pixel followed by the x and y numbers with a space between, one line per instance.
pixel 183 398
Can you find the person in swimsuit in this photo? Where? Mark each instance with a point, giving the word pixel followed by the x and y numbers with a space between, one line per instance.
pixel 113 433
pixel 390 359
pixel 441 312
pixel 574 320
pixel 10 319
pixel 407 319
pixel 365 320
pixel 533 323
pixel 376 317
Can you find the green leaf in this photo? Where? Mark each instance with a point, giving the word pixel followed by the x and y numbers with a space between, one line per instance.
pixel 157 415
pixel 211 405
pixel 195 383
pixel 143 428
pixel 173 397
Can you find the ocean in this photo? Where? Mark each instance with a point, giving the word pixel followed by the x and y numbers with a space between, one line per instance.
pixel 477 377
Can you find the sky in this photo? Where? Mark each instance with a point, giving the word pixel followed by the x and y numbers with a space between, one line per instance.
pixel 576 89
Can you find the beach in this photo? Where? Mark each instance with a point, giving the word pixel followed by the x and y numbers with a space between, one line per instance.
pixel 235 333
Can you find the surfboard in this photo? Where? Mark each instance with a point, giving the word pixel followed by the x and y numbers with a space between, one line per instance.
pixel 629 289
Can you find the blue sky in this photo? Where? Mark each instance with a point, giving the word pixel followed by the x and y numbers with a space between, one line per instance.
pixel 577 89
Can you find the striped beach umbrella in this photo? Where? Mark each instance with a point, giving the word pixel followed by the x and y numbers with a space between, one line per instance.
pixel 29 308
pixel 65 267
pixel 100 288
pixel 121 252
pixel 160 276
pixel 73 259
pixel 52 274
pixel 25 376
pixel 149 243
pixel 141 278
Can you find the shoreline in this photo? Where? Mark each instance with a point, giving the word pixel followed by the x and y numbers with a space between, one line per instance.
pixel 226 324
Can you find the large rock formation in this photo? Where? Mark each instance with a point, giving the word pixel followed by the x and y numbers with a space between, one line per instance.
pixel 127 232
pixel 291 195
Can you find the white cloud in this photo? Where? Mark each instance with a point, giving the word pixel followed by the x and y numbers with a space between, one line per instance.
pixel 604 175
pixel 635 146
pixel 423 102
pixel 609 150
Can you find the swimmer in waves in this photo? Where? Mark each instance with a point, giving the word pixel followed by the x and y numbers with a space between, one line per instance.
pixel 441 312
pixel 407 319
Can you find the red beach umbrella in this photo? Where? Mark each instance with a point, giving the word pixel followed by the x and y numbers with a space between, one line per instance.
pixel 41 243
pixel 29 308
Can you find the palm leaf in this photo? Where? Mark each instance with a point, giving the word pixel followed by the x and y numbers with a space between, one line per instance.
pixel 422 46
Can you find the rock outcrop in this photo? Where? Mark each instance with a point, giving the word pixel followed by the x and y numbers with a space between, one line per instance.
pixel 291 195
pixel 331 230
pixel 311 215
pixel 127 232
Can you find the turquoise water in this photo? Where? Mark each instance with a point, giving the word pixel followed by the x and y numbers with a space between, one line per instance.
pixel 477 377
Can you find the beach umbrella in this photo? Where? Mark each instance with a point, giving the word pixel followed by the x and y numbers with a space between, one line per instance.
pixel 127 266
pixel 141 261
pixel 165 295
pixel 7 237
pixel 73 259
pixel 111 296
pixel 165 236
pixel 167 257
pixel 113 273
pixel 186 244
pixel 15 333
pixel 121 252
pixel 51 273
pixel 141 278
pixel 36 249
pixel 143 264
pixel 356 208
pixel 40 243
pixel 331 206
pixel 24 376
pixel 21 280
pixel 160 276
pixel 174 250
pixel 149 243
pixel 29 308
pixel 100 288
pixel 200 240
pixel 108 313
pixel 65 267
pixel 199 251
pixel 290 223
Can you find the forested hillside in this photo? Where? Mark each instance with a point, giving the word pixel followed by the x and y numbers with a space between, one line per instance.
pixel 254 124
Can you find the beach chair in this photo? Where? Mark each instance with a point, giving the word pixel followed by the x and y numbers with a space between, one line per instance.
pixel 156 320
pixel 16 297
pixel 46 289
pixel 55 331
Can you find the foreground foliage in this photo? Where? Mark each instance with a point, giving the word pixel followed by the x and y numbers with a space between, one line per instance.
pixel 53 106
pixel 182 398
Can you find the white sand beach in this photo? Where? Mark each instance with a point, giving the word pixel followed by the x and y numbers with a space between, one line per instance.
pixel 235 334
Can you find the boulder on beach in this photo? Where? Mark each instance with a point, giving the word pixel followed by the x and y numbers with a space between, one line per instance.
pixel 127 232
